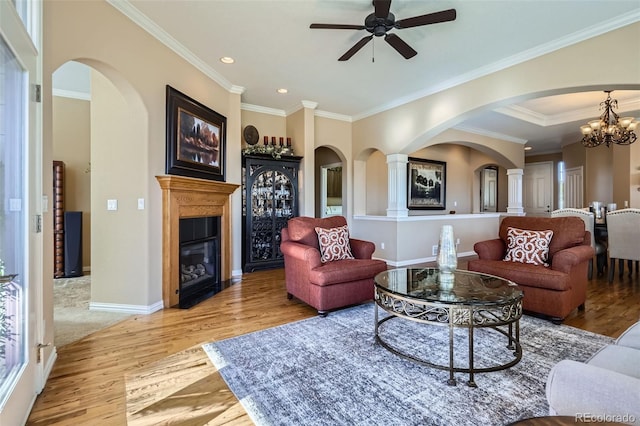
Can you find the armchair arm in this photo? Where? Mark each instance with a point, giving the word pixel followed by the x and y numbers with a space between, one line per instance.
pixel 575 388
pixel 362 249
pixel 566 259
pixel 490 249
pixel 307 254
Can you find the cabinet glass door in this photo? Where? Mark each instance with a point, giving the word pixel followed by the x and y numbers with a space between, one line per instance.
pixel 271 207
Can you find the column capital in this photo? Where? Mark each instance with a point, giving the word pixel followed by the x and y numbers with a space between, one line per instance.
pixel 397 158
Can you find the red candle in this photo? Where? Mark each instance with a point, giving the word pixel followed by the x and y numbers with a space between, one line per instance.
pixel 266 140
pixel 281 141
pixel 288 141
pixel 273 140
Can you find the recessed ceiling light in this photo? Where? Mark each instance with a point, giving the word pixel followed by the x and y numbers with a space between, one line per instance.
pixel 527 148
pixel 282 91
pixel 227 60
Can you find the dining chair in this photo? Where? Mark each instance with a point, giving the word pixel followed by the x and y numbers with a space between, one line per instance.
pixel 623 229
pixel 589 224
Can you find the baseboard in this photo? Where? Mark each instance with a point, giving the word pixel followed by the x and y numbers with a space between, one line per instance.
pixel 48 367
pixel 86 268
pixel 126 309
pixel 403 263
pixel 236 275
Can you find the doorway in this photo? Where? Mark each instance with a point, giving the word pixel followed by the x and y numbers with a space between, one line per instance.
pixel 489 189
pixel 331 190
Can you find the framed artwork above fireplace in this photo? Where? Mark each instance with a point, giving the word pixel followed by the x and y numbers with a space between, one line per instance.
pixel 196 138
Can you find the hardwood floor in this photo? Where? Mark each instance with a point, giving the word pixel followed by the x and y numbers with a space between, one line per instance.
pixel 149 369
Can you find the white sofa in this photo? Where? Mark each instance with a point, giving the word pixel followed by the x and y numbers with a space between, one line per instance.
pixel 606 387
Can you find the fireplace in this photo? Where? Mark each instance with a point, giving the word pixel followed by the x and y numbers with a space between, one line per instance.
pixel 203 243
pixel 199 259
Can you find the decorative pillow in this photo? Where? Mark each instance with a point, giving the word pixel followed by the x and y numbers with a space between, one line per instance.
pixel 334 243
pixel 527 246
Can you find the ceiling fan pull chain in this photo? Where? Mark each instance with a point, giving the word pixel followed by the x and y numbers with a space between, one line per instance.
pixel 373 51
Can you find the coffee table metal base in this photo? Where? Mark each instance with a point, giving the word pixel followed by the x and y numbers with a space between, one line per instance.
pixel 454 316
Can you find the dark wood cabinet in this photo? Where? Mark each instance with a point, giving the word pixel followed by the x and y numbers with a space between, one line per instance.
pixel 269 200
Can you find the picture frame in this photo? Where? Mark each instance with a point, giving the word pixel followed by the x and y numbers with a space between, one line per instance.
pixel 426 184
pixel 195 139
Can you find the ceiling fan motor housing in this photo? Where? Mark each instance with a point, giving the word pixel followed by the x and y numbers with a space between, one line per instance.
pixel 379 26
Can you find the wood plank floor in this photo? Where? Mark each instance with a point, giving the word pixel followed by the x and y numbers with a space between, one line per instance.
pixel 150 370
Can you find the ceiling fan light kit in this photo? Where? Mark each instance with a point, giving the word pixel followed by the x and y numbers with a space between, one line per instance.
pixel 609 128
pixel 381 21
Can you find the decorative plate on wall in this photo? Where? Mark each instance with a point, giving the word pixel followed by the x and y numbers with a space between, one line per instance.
pixel 251 135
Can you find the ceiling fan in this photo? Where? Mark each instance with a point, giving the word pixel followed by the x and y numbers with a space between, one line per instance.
pixel 381 21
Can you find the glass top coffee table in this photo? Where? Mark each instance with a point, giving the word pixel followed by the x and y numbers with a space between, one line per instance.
pixel 463 299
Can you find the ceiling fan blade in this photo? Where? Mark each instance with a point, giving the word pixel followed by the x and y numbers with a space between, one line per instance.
pixel 381 8
pixel 337 27
pixel 403 48
pixel 355 48
pixel 430 18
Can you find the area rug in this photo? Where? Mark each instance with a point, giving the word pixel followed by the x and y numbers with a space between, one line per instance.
pixel 330 371
pixel 72 319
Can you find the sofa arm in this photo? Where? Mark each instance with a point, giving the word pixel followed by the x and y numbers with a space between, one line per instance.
pixel 309 255
pixel 566 259
pixel 362 249
pixel 575 388
pixel 490 249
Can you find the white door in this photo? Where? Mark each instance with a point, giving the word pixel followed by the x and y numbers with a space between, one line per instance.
pixel 573 191
pixel 538 188
pixel 20 195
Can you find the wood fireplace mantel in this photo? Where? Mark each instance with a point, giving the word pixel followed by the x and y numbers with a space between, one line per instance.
pixel 184 197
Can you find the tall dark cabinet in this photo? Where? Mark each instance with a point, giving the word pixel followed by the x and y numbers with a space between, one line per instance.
pixel 269 200
pixel 58 219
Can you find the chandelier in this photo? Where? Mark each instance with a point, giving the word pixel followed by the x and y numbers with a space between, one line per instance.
pixel 609 128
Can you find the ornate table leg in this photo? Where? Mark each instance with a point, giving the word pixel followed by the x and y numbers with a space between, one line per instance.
pixel 471 382
pixel 452 380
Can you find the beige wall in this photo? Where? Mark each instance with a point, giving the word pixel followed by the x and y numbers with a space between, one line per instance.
pixel 116 149
pixel 71 137
pixel 599 175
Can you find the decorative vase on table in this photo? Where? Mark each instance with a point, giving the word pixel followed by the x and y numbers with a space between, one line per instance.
pixel 447 259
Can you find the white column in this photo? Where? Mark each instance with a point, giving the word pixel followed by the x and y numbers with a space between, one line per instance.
pixel 515 191
pixel 397 184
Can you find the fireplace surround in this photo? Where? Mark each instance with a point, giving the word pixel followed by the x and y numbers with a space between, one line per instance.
pixel 185 197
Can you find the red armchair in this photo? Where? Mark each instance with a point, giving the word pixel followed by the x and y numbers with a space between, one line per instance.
pixel 330 285
pixel 553 291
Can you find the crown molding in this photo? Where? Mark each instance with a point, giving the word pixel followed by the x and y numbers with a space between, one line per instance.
pixel 333 116
pixel 237 90
pixel 543 120
pixel 263 110
pixel 140 19
pixel 487 133
pixel 309 104
pixel 72 94
pixel 552 46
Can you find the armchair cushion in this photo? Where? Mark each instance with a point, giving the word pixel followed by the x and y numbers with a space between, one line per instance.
pixel 334 243
pixel 527 246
